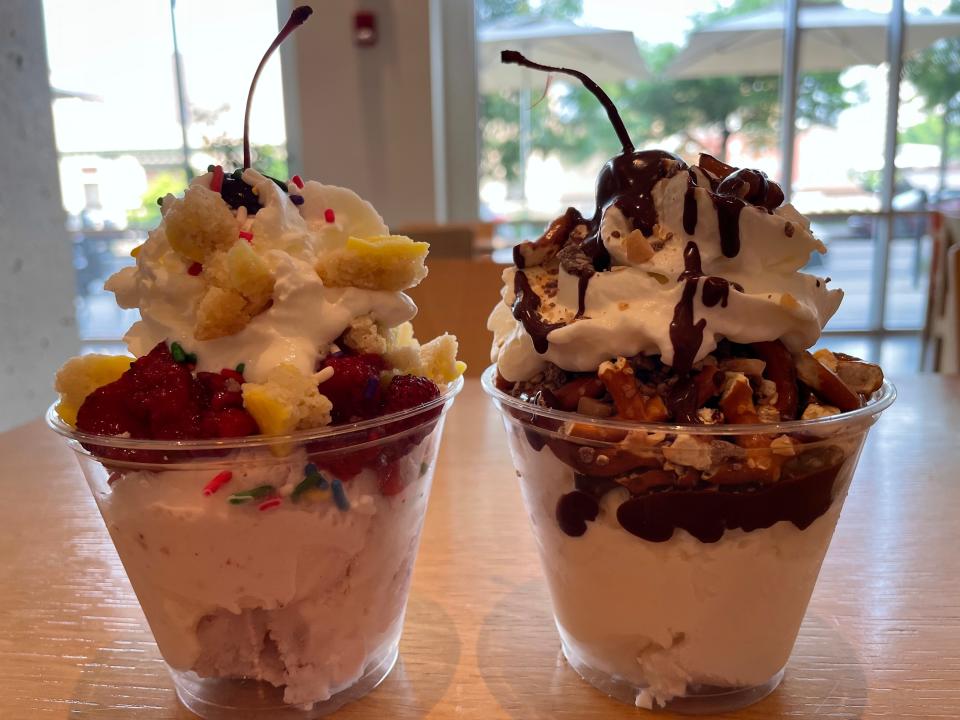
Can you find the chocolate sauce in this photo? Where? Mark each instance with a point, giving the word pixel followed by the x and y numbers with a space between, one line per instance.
pixel 685 334
pixel 706 513
pixel 683 401
pixel 526 309
pixel 715 290
pixel 690 209
pixel 728 218
pixel 754 187
pixel 627 181
pixel 574 511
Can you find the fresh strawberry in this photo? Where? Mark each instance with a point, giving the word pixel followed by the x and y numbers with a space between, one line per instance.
pixel 390 481
pixel 354 388
pixel 403 393
pixel 228 422
pixel 408 391
pixel 105 412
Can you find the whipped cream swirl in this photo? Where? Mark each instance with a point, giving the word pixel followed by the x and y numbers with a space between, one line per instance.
pixel 675 259
pixel 291 230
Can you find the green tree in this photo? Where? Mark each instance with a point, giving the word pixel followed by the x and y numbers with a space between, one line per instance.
pixel 935 73
pixel 148 215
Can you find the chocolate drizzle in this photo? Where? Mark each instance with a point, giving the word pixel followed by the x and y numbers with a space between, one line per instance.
pixel 526 308
pixel 715 290
pixel 685 334
pixel 574 510
pixel 728 218
pixel 707 513
pixel 690 206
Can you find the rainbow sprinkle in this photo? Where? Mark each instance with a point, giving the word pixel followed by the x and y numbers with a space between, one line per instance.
pixel 296 199
pixel 248 236
pixel 297 180
pixel 269 504
pixel 216 182
pixel 262 491
pixel 218 481
pixel 329 215
pixel 339 495
pixel 312 480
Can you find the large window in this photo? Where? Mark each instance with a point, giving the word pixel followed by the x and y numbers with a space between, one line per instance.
pixel 134 120
pixel 712 79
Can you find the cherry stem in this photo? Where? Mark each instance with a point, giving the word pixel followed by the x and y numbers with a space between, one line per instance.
pixel 512 57
pixel 297 18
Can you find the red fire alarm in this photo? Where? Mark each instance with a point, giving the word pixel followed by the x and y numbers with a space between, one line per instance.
pixel 365 28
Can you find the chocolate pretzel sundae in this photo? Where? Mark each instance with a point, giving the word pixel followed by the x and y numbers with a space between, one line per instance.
pixel 683 454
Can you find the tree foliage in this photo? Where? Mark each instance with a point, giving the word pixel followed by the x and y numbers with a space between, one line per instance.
pixel 935 74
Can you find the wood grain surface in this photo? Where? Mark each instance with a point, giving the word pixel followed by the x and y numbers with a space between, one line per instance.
pixel 881 638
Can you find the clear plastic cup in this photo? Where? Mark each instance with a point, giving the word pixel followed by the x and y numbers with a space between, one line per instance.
pixel 681 590
pixel 273 571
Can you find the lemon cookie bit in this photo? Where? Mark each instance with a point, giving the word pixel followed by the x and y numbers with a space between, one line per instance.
pixel 240 285
pixel 364 336
pixel 403 349
pixel 221 312
pixel 200 224
pixel 80 376
pixel 386 262
pixel 438 360
pixel 287 401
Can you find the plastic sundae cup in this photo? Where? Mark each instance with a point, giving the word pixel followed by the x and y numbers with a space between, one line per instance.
pixel 273 570
pixel 688 597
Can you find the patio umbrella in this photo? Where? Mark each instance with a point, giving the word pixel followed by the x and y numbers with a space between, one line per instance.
pixel 604 55
pixel 834 37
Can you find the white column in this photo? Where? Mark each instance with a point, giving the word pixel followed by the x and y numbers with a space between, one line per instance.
pixel 37 324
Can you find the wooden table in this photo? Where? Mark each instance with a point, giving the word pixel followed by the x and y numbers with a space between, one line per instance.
pixel 881 638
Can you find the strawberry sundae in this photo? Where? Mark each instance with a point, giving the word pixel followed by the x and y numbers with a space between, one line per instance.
pixel 263 458
pixel 682 454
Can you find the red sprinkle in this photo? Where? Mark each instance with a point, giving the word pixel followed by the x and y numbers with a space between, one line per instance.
pixel 269 504
pixel 297 180
pixel 217 181
pixel 195 269
pixel 329 215
pixel 248 236
pixel 231 373
pixel 219 480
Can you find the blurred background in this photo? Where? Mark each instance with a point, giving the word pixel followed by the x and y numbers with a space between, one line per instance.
pixel 853 106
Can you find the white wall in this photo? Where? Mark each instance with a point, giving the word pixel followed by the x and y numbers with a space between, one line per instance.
pixel 37 326
pixel 376 119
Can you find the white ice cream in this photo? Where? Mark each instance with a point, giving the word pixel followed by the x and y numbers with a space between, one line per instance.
pixel 304 595
pixel 671 615
pixel 628 310
pixel 305 316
